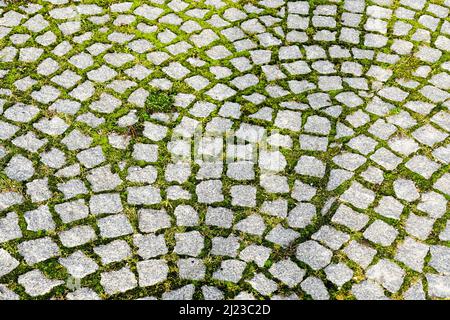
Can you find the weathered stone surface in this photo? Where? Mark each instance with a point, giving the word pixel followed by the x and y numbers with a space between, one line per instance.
pixel 224 149
pixel 118 281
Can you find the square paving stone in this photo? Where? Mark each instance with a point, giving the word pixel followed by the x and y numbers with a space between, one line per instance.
pixel 37 284
pixel 150 245
pixel 119 281
pixel 77 236
pixel 152 272
pixel 79 265
pixel 114 226
pixel 381 233
pixel 191 269
pixel 151 220
pixel 230 270
pixel 189 243
pixel 288 272
pixel 7 263
pixel 38 250
pixel 114 251
pixel 314 254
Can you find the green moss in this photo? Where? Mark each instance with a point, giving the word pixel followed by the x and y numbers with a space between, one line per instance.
pixel 159 101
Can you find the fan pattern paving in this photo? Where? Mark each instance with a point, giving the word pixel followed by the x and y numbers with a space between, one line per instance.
pixel 225 149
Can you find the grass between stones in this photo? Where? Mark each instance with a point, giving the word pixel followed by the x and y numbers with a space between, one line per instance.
pixel 160 108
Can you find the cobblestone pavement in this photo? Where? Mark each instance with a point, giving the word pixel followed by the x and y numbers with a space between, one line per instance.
pixel 120 178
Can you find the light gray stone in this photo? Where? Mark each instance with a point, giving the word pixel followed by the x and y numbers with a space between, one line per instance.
pixel 35 251
pixel 79 265
pixel 152 272
pixel 77 236
pixel 189 243
pixel 37 284
pixel 119 281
